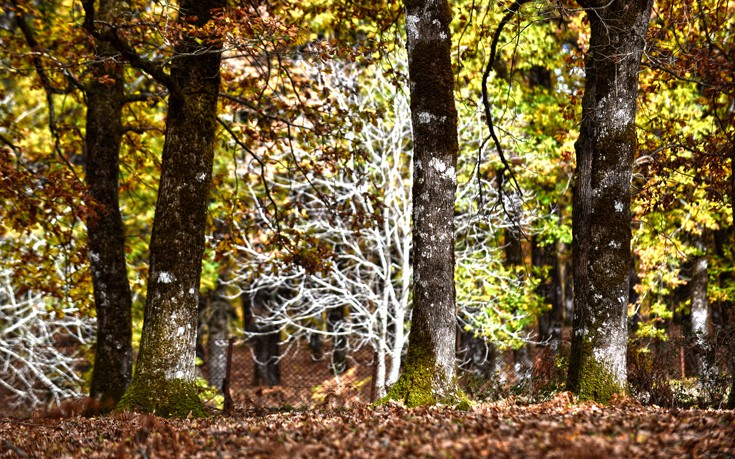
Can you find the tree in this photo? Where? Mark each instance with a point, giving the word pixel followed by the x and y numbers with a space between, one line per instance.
pixel 429 371
pixel 40 347
pixel 165 369
pixel 105 97
pixel 105 92
pixel 601 215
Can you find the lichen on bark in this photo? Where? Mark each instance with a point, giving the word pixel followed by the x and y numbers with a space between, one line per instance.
pixel 164 379
pixel 429 374
pixel 601 206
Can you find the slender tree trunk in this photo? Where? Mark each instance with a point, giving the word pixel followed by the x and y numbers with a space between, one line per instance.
pixel 113 356
pixel 550 322
pixel 700 319
pixel 428 376
pixel 266 341
pixel 601 218
pixel 217 340
pixel 165 371
pixel 514 259
pixel 340 345
pixel 316 346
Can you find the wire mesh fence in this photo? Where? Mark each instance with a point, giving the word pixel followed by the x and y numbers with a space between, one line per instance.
pixel 677 372
pixel 297 378
pixel 662 373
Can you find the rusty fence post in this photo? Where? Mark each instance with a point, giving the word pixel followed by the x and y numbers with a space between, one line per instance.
pixel 228 375
pixel 374 377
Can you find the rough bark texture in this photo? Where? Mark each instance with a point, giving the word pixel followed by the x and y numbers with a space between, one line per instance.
pixel 601 218
pixel 164 377
pixel 429 372
pixel 113 357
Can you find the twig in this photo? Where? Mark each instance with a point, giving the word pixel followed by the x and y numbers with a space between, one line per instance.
pixel 15 449
pixel 486 103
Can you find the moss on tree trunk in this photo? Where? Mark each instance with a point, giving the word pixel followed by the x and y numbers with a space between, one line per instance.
pixel 113 357
pixel 428 376
pixel 164 379
pixel 601 215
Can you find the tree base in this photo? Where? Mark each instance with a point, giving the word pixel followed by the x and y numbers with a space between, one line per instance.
pixel 420 386
pixel 168 398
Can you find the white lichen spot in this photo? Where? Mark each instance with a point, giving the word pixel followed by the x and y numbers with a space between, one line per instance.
pixel 201 176
pixel 412 26
pixel 166 277
pixel 615 244
pixel 95 257
pixel 438 165
pixel 180 331
pixel 619 206
pixel 192 291
pixel 426 117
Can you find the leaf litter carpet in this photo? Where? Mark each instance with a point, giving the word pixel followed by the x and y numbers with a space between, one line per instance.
pixel 560 428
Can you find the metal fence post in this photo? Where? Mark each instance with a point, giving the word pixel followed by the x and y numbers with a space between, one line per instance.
pixel 226 382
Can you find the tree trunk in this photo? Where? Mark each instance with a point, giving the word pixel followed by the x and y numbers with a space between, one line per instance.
pixel 428 376
pixel 477 355
pixel 336 326
pixel 217 340
pixel 265 339
pixel 550 322
pixel 165 371
pixel 316 346
pixel 113 357
pixel 700 319
pixel 601 216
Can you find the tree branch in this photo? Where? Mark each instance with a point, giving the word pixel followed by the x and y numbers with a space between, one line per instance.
pixel 109 35
pixel 486 103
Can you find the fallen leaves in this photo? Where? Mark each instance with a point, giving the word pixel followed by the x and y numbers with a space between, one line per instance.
pixel 555 429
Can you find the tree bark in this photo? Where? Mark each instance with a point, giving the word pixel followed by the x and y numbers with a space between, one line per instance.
pixel 164 377
pixel 601 216
pixel 428 376
pixel 105 92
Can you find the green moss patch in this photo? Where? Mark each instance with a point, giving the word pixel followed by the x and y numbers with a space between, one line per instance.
pixel 168 398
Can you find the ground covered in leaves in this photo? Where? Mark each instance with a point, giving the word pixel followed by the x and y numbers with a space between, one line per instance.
pixel 558 428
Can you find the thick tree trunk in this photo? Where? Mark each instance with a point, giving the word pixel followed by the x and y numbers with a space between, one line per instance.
pixel 428 376
pixel 601 218
pixel 165 371
pixel 113 357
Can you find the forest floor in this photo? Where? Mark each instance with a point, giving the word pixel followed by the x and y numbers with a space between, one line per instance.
pixel 557 428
